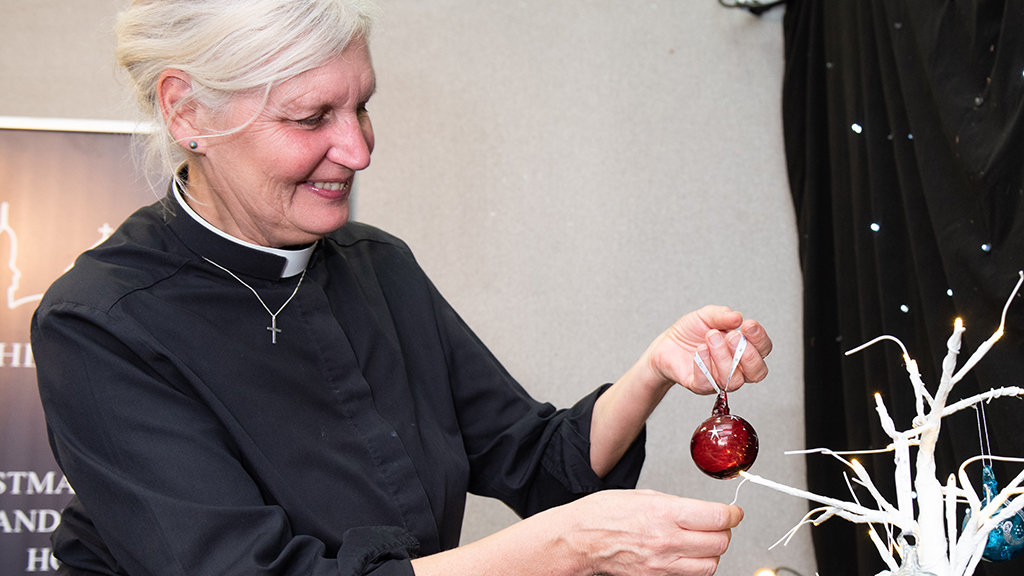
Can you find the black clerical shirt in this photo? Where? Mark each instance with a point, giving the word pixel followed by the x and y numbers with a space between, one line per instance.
pixel 197 446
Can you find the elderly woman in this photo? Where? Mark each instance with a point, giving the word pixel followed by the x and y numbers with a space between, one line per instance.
pixel 240 381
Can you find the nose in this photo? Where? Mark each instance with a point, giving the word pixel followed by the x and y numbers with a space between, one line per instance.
pixel 352 142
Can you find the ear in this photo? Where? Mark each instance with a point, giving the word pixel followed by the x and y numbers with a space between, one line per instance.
pixel 173 91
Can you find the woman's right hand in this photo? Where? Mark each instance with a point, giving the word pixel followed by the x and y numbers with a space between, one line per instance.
pixel 641 532
pixel 614 533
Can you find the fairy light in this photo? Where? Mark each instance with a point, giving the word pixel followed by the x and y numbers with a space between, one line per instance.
pixel 776 571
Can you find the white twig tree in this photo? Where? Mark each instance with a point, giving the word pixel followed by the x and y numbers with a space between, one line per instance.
pixel 932 542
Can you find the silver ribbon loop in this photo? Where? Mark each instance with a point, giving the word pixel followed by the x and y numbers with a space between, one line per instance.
pixel 740 347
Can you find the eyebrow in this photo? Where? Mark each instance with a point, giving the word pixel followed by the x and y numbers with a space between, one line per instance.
pixel 300 107
pixel 373 87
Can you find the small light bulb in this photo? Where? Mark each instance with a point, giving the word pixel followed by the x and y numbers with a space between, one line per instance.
pixel 765 572
pixel 857 128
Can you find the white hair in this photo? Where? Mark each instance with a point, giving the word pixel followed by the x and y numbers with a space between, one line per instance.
pixel 228 47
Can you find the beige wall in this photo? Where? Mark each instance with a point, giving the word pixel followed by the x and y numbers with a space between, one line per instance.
pixel 574 175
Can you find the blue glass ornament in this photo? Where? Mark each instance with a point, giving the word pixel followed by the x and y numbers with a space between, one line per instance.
pixel 1005 541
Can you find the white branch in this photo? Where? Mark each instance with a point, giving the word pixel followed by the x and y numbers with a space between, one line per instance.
pixel 862 475
pixel 952 351
pixel 983 397
pixel 877 340
pixel 973 502
pixel 838 453
pixel 826 514
pixel 951 493
pixel 849 510
pixel 883 551
pixel 987 344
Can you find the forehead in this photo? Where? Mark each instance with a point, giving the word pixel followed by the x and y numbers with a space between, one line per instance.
pixel 348 78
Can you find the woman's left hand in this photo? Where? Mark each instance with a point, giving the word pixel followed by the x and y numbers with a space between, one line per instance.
pixel 621 411
pixel 712 333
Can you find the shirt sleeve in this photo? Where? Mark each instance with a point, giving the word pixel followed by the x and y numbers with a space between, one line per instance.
pixel 526 453
pixel 164 488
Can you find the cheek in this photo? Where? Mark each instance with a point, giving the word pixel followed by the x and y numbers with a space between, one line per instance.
pixel 295 159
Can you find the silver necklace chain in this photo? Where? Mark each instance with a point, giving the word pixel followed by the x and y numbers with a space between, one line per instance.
pixel 273 315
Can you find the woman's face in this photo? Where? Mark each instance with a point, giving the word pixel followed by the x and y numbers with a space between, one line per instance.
pixel 285 178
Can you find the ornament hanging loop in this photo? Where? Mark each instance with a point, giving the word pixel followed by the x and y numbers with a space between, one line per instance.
pixel 740 347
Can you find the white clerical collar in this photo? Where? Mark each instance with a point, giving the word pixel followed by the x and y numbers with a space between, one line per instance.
pixel 297 259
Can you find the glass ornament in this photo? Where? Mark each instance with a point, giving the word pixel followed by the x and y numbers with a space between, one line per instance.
pixel 723 445
pixel 910 565
pixel 1005 541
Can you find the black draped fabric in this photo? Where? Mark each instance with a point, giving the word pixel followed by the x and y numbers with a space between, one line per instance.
pixel 905 148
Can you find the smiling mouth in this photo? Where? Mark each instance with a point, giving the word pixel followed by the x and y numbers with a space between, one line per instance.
pixel 332 186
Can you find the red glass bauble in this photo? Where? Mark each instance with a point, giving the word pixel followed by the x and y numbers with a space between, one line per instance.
pixel 724 445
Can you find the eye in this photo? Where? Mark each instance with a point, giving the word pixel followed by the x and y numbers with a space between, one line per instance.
pixel 314 121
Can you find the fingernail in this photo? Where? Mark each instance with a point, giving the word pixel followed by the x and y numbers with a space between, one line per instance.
pixel 715 339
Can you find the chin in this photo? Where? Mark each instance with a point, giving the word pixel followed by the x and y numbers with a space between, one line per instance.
pixel 323 227
pixel 316 222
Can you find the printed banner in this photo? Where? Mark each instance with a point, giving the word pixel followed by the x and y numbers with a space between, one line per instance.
pixel 60 194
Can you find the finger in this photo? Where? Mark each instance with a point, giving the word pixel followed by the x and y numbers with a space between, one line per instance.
pixel 695 565
pixel 702 516
pixel 721 357
pixel 720 317
pixel 700 383
pixel 698 544
pixel 752 367
pixel 756 335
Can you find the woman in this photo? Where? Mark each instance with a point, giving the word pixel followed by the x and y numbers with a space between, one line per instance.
pixel 240 381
